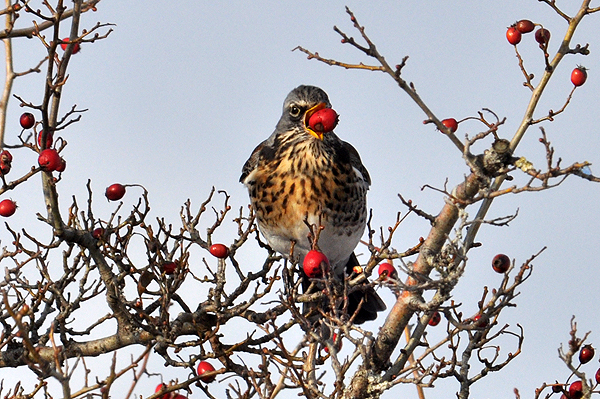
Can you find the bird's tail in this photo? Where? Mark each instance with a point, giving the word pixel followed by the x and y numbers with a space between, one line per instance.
pixel 363 302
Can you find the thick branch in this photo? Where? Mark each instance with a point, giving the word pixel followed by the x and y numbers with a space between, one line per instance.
pixel 397 320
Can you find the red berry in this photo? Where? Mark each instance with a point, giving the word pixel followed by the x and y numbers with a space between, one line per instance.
pixel 586 354
pixel 205 367
pixel 219 251
pixel 542 36
pixel 501 263
pixel 513 35
pixel 49 160
pixel 178 396
pixel 578 76
pixel 525 26
pixel 98 233
pixel 27 120
pixel 435 319
pixel 49 139
pixel 7 208
pixel 66 43
pixel 169 267
pixel 312 263
pixel 323 121
pixel 386 269
pixel 480 322
pixel 598 376
pixel 115 192
pixel 576 390
pixel 451 124
pixel 63 165
pixel 161 387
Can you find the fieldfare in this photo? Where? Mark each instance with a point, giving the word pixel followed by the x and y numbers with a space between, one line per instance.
pixel 300 174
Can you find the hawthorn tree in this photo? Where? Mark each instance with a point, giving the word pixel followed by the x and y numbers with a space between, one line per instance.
pixel 105 283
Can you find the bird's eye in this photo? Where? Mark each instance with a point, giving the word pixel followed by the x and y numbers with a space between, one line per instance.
pixel 295 111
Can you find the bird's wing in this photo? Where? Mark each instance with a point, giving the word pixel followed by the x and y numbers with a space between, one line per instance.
pixel 266 149
pixel 251 162
pixel 356 162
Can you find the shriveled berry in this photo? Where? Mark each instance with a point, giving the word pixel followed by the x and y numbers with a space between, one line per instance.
pixel 4 168
pixel 6 157
pixel 525 26
pixel 312 263
pixel 219 251
pixel 435 319
pixel 97 233
pixel 27 120
pixel 49 160
pixel 169 267
pixel 5 162
pixel 7 207
pixel 451 124
pixel 501 263
pixel 542 36
pixel 203 368
pixel 115 192
pixel 323 121
pixel 557 388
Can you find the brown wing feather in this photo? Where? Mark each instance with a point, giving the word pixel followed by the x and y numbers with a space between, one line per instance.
pixel 356 162
pixel 252 162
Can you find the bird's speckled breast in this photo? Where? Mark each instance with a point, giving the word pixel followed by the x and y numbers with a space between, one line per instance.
pixel 305 182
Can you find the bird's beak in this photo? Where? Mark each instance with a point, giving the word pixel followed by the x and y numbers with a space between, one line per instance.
pixel 307 116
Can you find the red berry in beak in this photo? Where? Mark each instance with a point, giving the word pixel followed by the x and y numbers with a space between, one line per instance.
pixel 323 121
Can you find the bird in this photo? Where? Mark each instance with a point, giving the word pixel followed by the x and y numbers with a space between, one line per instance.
pixel 299 175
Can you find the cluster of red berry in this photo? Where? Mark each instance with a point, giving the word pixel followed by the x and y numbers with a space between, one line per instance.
pixel 48 158
pixel 542 36
pixel 575 390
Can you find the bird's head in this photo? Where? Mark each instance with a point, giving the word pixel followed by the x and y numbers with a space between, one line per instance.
pixel 299 106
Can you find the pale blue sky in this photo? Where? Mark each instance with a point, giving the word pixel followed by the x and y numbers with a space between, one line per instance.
pixel 180 94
